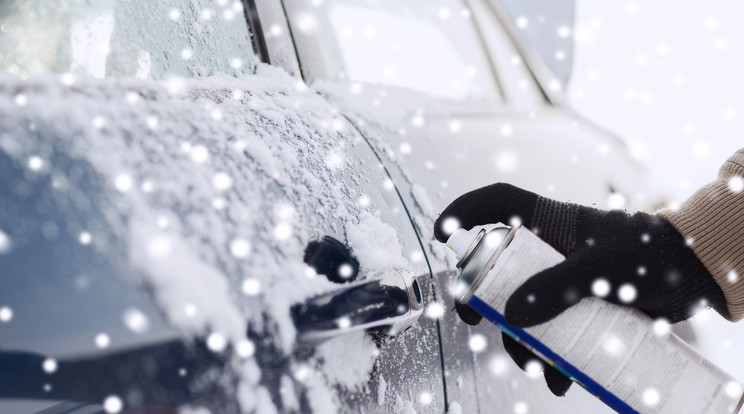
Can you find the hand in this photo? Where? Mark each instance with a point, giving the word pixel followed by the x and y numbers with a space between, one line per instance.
pixel 635 260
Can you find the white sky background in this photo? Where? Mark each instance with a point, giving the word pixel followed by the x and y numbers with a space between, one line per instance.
pixel 667 77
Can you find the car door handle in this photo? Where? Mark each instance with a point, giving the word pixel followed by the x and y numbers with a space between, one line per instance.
pixel 389 303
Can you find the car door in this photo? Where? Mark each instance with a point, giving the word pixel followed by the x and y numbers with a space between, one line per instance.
pixel 451 101
pixel 159 197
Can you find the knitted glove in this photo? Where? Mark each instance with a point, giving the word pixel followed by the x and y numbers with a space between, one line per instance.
pixel 637 260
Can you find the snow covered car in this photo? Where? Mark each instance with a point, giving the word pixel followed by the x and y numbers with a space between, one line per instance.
pixel 186 225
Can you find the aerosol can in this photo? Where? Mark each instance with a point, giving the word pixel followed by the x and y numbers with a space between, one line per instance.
pixel 611 351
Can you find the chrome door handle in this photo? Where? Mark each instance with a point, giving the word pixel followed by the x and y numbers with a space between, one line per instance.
pixel 389 303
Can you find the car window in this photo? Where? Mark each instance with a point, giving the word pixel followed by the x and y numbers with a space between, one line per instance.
pixel 124 38
pixel 520 87
pixel 430 46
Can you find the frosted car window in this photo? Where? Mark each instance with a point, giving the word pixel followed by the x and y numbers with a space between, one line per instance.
pixel 124 38
pixel 430 47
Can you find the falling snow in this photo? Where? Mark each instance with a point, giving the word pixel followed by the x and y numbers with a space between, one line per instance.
pixel 251 287
pixel 651 397
pixel 102 340
pixel 113 404
pixel 49 365
pixel 4 242
pixel 216 342
pixel 6 314
pixel 136 321
pixel 627 293
pixel 123 182
pixel 477 343
pixel 601 288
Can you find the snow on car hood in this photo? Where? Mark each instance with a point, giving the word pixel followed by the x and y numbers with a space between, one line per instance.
pixel 214 186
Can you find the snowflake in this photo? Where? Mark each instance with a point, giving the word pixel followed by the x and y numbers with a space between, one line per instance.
pixel 450 224
pixel 506 130
pixel 163 222
pixel 613 345
pixel 49 365
pixel 343 322
pixel 35 163
pixel 662 327
pixel 454 126
pixel 506 161
pixel 112 404
pixel 499 365
pixel 533 368
pixel 6 314
pixel 736 184
pixel 477 343
pixel 174 14
pixel 601 288
pixel 136 321
pixel 425 398
pixel 418 121
pixel 218 203
pixel 159 246
pixel 67 79
pixel 222 181
pixel 282 231
pixel 21 99
pixel 186 54
pixel 147 186
pixel 651 397
pixel 732 276
pixel 405 148
pixel 521 407
pixel 564 31
pixel 240 248
pixel 85 238
pixel 123 182
pixel 734 389
pixel 387 184
pixel 435 310
pixel 616 201
pixel 102 340
pixel 216 342
pixel 190 310
pixel 245 348
pixel 306 23
pixel 627 293
pixel 345 271
pixel 251 287
pixel 98 122
pixel 522 22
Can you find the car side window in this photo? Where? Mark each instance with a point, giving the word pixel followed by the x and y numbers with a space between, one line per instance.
pixel 430 47
pixel 124 38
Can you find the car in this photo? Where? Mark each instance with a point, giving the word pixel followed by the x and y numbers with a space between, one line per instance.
pixel 228 206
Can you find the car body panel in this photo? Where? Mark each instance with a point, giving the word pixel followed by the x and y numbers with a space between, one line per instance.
pixel 270 149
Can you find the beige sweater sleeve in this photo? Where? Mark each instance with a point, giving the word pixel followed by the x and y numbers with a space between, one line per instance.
pixel 712 219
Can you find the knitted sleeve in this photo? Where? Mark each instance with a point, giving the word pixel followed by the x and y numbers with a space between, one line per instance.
pixel 712 220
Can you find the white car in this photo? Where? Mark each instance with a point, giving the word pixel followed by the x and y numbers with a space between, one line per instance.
pixel 228 206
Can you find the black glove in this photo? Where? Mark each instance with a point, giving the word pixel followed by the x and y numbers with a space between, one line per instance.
pixel 635 260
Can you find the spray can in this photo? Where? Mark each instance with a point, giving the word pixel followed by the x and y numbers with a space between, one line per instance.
pixel 612 351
